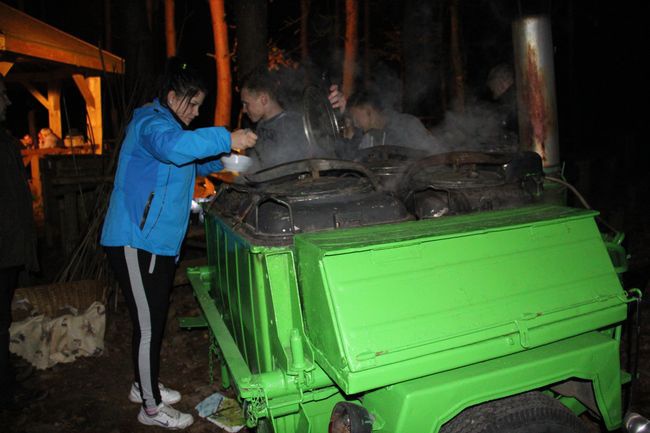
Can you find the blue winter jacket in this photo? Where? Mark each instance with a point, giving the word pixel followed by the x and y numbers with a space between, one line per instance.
pixel 152 193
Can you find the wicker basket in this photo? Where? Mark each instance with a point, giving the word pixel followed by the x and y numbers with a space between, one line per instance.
pixel 54 299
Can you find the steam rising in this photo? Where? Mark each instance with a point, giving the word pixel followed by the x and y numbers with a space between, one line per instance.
pixel 480 128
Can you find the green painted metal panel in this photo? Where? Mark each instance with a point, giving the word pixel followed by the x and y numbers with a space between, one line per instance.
pixel 396 302
pixel 240 293
pixel 425 404
pixel 255 289
pixel 428 317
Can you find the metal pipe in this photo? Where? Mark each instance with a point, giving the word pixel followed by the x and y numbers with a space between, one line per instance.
pixel 635 423
pixel 535 78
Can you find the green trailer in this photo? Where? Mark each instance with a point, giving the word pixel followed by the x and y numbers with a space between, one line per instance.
pixel 485 321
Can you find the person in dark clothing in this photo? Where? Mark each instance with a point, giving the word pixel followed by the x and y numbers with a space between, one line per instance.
pixel 281 133
pixel 501 82
pixel 17 239
pixel 383 126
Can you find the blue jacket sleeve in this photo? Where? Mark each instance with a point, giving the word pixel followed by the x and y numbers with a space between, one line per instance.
pixel 169 143
pixel 209 167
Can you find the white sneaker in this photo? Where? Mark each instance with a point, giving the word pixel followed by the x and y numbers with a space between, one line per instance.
pixel 167 417
pixel 167 395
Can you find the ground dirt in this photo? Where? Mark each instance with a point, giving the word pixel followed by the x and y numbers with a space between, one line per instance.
pixel 90 394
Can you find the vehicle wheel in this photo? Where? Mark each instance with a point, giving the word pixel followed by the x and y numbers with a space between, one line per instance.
pixel 532 412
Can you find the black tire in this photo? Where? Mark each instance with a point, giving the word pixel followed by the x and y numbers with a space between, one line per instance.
pixel 532 412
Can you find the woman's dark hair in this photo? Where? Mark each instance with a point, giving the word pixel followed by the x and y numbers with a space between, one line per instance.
pixel 181 78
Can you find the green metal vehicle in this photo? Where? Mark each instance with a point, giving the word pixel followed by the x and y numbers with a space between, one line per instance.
pixel 339 304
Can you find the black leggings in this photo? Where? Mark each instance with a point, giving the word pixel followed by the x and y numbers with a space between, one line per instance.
pixel 146 280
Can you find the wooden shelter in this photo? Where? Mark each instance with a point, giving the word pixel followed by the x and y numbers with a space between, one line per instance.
pixel 63 179
pixel 32 51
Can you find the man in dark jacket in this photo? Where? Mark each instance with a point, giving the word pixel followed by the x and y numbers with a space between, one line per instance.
pixel 281 133
pixel 17 238
pixel 383 126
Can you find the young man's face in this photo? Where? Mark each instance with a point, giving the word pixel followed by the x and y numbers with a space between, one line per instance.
pixel 361 117
pixel 4 101
pixel 253 104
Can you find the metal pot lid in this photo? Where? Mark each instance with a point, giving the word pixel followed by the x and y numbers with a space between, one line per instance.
pixel 388 154
pixel 321 187
pixel 446 177
pixel 319 119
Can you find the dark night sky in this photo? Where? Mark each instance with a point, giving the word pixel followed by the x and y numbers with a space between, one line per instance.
pixel 599 48
pixel 598 65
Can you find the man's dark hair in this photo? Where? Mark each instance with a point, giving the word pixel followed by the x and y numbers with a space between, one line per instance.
pixel 181 78
pixel 261 79
pixel 361 98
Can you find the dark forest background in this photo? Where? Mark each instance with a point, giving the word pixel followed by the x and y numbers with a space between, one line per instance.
pixel 404 48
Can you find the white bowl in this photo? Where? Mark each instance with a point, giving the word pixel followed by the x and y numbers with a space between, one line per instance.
pixel 236 162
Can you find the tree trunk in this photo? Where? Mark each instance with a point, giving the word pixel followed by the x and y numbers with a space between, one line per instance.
pixel 366 43
pixel 351 44
pixel 458 101
pixel 222 58
pixel 304 34
pixel 422 51
pixel 150 7
pixel 251 17
pixel 139 59
pixel 170 28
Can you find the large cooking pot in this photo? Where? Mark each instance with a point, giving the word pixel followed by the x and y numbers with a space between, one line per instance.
pixel 461 182
pixel 388 163
pixel 306 196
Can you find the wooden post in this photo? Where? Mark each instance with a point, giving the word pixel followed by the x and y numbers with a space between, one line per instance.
pixel 52 103
pixel 54 107
pixel 91 90
pixel 4 68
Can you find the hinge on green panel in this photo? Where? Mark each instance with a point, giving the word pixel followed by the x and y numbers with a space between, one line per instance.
pixel 523 334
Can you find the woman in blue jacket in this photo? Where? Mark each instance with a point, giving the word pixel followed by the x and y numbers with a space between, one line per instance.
pixel 148 217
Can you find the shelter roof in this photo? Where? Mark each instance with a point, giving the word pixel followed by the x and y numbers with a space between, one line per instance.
pixel 24 39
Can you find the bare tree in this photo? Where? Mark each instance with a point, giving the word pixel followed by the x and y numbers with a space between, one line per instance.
pixel 351 45
pixel 304 34
pixel 222 59
pixel 251 17
pixel 170 28
pixel 422 56
pixel 458 102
